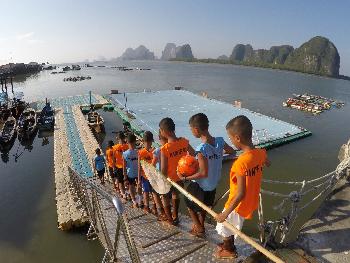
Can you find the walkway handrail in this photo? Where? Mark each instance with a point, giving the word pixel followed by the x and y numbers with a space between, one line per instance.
pixel 233 229
pixel 90 186
pixel 319 186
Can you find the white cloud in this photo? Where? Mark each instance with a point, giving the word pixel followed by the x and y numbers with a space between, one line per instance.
pixel 25 36
pixel 35 41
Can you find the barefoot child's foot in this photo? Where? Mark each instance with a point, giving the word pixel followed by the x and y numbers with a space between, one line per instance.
pixel 198 232
pixel 162 217
pixel 134 204
pixel 154 211
pixel 176 221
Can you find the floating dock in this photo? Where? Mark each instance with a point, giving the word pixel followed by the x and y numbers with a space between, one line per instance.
pixel 81 200
pixel 144 110
pixel 155 241
pixel 70 150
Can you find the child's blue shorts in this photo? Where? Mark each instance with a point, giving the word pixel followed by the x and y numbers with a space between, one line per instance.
pixel 146 186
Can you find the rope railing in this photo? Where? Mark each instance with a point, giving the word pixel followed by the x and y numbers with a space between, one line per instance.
pixel 90 194
pixel 300 182
pixel 282 226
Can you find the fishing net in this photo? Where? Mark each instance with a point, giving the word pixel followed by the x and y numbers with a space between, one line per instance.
pixel 158 181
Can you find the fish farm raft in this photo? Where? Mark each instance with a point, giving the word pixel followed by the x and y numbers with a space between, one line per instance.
pixel 312 103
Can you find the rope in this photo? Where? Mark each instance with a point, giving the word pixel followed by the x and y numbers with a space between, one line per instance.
pixel 274 193
pixel 313 188
pixel 269 230
pixel 316 197
pixel 298 183
pixel 261 220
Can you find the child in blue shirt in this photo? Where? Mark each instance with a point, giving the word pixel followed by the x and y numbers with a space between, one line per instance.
pixel 130 167
pixel 156 152
pixel 203 185
pixel 99 164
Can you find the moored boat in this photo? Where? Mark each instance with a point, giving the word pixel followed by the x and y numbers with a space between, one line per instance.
pixel 27 123
pixel 8 130
pixel 46 118
pixel 76 67
pixel 95 121
pixel 4 114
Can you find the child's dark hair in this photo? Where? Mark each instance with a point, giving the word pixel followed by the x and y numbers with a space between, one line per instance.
pixel 167 124
pixel 241 126
pixel 121 136
pixel 98 151
pixel 200 121
pixel 131 138
pixel 110 143
pixel 148 136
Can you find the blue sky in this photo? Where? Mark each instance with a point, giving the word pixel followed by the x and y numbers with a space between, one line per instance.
pixel 68 31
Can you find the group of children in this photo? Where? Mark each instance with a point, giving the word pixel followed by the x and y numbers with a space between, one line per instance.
pixel 123 160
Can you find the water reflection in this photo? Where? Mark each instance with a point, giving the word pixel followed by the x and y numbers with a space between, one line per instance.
pixel 25 162
pixel 24 144
pixel 21 79
pixel 44 135
pixel 5 148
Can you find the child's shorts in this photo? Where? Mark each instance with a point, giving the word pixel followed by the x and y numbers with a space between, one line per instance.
pixel 111 173
pixel 101 173
pixel 119 174
pixel 174 190
pixel 206 197
pixel 132 180
pixel 146 186
pixel 234 219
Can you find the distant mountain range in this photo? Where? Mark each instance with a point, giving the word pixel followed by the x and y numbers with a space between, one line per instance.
pixel 171 51
pixel 139 53
pixel 316 56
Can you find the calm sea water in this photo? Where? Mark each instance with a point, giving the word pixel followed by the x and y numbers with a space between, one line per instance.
pixel 28 230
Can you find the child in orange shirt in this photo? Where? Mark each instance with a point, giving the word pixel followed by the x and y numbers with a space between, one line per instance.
pixel 146 154
pixel 245 182
pixel 118 150
pixel 110 163
pixel 171 152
